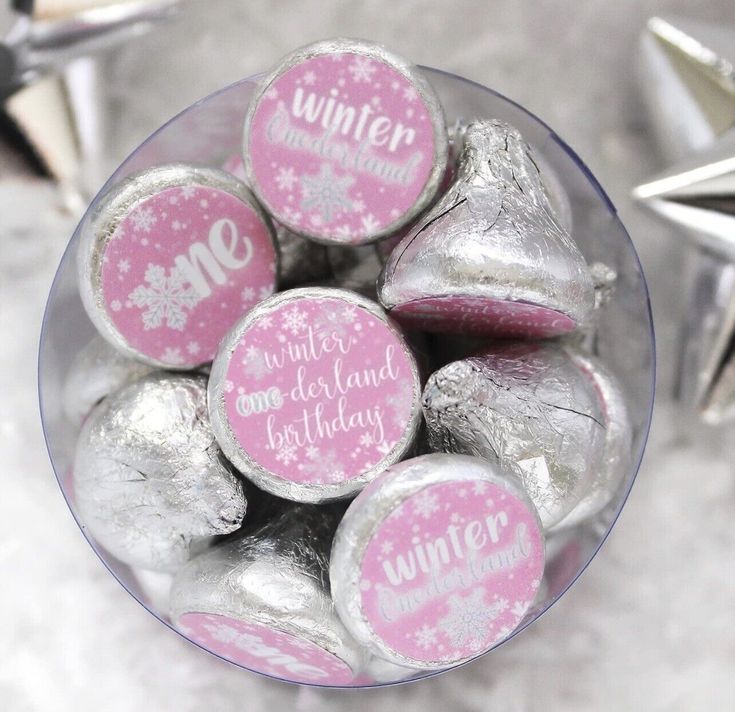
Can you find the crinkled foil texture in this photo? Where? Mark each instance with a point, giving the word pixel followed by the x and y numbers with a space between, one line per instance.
pixel 149 479
pixel 275 574
pixel 97 370
pixel 492 235
pixel 528 407
pixel 618 451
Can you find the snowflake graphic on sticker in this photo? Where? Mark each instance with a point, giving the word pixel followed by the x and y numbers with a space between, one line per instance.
pixel 469 619
pixel 361 69
pixel 294 321
pixel 143 219
pixel 164 299
pixel 425 503
pixel 286 178
pixel 326 193
pixel 255 363
pixel 425 636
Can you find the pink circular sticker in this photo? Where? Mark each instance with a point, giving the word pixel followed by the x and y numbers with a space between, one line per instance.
pixel 320 390
pixel 265 649
pixel 181 267
pixel 341 147
pixel 451 571
pixel 487 317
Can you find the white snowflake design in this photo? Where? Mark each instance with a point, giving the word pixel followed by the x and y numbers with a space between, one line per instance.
pixel 323 467
pixel 143 219
pixel 193 348
pixel 326 192
pixel 172 356
pixel 188 192
pixel 358 206
pixel 336 322
pixel 425 636
pixel 369 223
pixel 468 620
pixel 247 294
pixel 286 178
pixel 116 305
pixel 123 266
pixel 222 632
pixel 410 94
pixel 165 299
pixel 309 78
pixel 361 69
pixel 386 547
pixel 366 439
pixel 255 364
pixel 425 503
pixel 286 454
pixel 519 608
pixel 294 320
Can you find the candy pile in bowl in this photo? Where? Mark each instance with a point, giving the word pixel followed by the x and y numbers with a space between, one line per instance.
pixel 345 387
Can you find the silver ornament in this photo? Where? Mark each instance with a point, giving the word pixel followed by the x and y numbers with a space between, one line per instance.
pixel 528 407
pixel 149 479
pixel 262 600
pixel 97 370
pixel 437 561
pixel 491 256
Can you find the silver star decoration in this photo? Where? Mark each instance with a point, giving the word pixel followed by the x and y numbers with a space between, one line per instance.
pixel 689 87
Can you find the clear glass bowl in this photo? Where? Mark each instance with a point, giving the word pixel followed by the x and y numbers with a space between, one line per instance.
pixel 209 132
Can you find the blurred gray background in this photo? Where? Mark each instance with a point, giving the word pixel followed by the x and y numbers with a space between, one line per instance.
pixel 650 625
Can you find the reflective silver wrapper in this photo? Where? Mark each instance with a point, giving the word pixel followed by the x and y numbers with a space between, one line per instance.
pixel 494 236
pixel 97 370
pixel 301 261
pixel 618 450
pixel 532 409
pixel 355 268
pixel 149 479
pixel 385 500
pixel 378 670
pixel 275 575
pixel 585 335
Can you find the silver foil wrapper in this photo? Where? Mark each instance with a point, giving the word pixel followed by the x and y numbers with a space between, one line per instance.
pixel 301 261
pixel 274 576
pixel 493 237
pixel 167 297
pixel 96 371
pixel 330 195
pixel 238 442
pixel 530 408
pixel 617 453
pixel 410 491
pixel 150 481
pixel 355 268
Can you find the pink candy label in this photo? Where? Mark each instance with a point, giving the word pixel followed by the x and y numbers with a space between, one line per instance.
pixel 341 147
pixel 319 390
pixel 451 571
pixel 267 650
pixel 487 317
pixel 181 268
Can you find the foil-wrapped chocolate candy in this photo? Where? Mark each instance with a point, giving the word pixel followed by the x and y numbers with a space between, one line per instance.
pixel 345 142
pixel 97 370
pixel 618 449
pixel 262 600
pixel 529 407
pixel 490 257
pixel 170 259
pixel 437 560
pixel 150 482
pixel 314 393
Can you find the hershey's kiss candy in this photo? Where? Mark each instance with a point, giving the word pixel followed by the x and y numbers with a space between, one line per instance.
pixel 437 560
pixel 301 261
pixel 490 257
pixel 618 449
pixel 262 601
pixel 345 142
pixel 96 371
pixel 529 407
pixel 170 259
pixel 149 478
pixel 314 393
